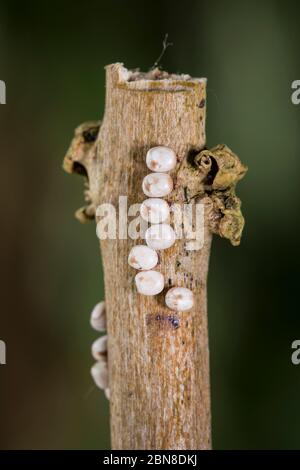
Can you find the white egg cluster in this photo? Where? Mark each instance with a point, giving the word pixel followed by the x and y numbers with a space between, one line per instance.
pixel 160 235
pixel 99 371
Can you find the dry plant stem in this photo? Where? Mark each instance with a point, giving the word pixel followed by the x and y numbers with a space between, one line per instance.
pixel 158 360
pixel 159 374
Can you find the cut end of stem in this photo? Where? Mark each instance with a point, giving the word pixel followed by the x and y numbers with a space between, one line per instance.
pixel 153 80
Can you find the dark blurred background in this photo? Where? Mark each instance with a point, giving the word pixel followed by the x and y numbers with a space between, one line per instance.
pixel 52 58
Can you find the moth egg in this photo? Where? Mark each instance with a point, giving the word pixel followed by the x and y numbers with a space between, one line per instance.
pixel 142 257
pixel 155 210
pixel 160 236
pixel 99 372
pixel 99 349
pixel 179 299
pixel 98 317
pixel 161 159
pixel 157 184
pixel 149 282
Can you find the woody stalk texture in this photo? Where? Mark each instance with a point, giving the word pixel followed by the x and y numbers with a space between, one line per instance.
pixel 158 360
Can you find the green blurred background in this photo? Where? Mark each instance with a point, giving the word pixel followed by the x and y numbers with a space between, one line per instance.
pixel 52 55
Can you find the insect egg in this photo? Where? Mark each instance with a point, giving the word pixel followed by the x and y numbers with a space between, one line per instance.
pixel 161 159
pixel 157 184
pixel 179 299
